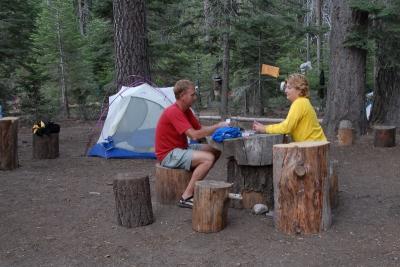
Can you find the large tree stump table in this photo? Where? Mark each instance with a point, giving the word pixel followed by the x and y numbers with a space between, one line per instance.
pixel 250 167
pixel 8 143
pixel 301 187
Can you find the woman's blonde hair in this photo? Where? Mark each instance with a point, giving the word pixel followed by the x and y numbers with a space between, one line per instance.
pixel 299 82
pixel 181 86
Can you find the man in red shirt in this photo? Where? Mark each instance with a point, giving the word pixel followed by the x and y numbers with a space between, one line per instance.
pixel 175 125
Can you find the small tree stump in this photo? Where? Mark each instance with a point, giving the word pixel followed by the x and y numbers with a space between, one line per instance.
pixel 334 184
pixel 170 184
pixel 301 187
pixel 385 136
pixel 132 200
pixel 345 133
pixel 8 143
pixel 210 206
pixel 45 147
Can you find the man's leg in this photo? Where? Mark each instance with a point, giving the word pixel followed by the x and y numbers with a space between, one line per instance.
pixel 208 148
pixel 202 161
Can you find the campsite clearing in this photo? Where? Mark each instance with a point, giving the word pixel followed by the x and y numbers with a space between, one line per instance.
pixel 60 212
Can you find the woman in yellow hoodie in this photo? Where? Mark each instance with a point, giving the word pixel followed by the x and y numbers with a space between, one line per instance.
pixel 301 122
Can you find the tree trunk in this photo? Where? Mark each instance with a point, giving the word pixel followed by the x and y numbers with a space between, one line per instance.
pixel 346 87
pixel 130 40
pixel 132 200
pixel 84 7
pixel 225 60
pixel 210 206
pixel 8 143
pixel 319 35
pixel 386 105
pixel 63 82
pixel 301 187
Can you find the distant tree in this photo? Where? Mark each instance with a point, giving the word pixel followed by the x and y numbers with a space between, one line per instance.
pixel 16 24
pixel 130 40
pixel 346 87
pixel 58 50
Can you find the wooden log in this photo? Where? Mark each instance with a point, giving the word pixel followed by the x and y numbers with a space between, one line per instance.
pixel 334 184
pixel 345 133
pixel 254 150
pixel 301 187
pixel 132 200
pixel 46 146
pixel 385 136
pixel 210 206
pixel 254 183
pixel 8 143
pixel 170 184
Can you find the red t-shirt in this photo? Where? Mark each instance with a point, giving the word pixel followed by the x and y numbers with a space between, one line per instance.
pixel 171 127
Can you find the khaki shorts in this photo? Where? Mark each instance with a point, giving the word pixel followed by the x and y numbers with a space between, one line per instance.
pixel 179 158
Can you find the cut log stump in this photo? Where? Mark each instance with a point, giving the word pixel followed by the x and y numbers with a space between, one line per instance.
pixel 132 200
pixel 8 143
pixel 210 206
pixel 345 133
pixel 301 187
pixel 385 136
pixel 45 147
pixel 170 184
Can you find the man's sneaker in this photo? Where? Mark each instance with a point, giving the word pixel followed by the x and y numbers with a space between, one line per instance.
pixel 186 203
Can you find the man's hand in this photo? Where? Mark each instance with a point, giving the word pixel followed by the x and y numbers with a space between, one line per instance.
pixel 258 127
pixel 222 124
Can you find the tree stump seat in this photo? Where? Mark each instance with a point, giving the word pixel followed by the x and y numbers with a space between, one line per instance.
pixel 385 136
pixel 302 187
pixel 8 143
pixel 345 133
pixel 132 200
pixel 170 184
pixel 45 146
pixel 210 206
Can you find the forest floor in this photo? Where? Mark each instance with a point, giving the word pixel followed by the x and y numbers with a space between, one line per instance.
pixel 60 212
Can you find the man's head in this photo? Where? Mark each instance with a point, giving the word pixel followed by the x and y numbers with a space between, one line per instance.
pixel 185 93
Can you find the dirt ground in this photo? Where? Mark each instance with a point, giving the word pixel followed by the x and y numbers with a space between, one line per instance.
pixel 60 212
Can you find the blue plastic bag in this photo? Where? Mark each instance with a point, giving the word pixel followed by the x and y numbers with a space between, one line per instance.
pixel 226 133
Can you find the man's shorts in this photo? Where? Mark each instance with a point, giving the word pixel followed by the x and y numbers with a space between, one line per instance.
pixel 179 158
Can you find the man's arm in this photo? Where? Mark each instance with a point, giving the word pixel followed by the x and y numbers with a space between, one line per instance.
pixel 204 130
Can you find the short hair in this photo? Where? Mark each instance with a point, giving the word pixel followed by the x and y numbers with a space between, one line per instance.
pixel 181 86
pixel 299 82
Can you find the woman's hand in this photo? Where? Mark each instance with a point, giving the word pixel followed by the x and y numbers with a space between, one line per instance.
pixel 258 127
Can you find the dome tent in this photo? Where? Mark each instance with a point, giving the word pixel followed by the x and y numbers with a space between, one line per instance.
pixel 129 129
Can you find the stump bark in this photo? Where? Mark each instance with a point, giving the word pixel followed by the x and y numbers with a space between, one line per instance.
pixel 46 146
pixel 170 184
pixel 301 187
pixel 210 206
pixel 254 183
pixel 385 136
pixel 132 200
pixel 250 168
pixel 345 133
pixel 8 143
